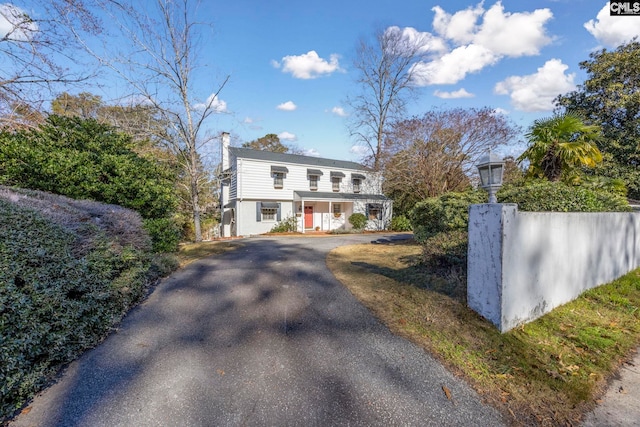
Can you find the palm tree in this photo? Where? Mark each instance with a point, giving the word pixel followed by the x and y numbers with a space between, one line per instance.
pixel 560 144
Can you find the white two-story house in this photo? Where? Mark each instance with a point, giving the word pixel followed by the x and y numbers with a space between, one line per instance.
pixel 261 188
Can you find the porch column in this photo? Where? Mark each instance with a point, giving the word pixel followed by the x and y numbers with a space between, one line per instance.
pixel 302 214
pixel 330 214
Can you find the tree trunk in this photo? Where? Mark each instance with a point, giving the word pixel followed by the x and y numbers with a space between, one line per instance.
pixel 195 201
pixel 195 193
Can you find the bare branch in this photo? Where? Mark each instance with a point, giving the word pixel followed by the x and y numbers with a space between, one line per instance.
pixel 385 69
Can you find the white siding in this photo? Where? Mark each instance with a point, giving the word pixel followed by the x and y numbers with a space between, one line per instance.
pixel 246 217
pixel 233 188
pixel 256 181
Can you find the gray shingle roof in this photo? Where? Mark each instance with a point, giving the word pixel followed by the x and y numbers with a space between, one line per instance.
pixel 248 153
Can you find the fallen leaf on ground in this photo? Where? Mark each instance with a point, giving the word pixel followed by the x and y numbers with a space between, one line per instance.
pixel 447 392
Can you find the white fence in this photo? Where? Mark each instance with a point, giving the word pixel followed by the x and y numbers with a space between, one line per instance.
pixel 523 264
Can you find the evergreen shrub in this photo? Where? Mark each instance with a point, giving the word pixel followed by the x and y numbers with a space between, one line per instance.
pixel 358 220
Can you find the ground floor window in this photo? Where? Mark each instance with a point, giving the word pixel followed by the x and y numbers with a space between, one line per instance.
pixel 374 211
pixel 267 211
pixel 337 210
pixel 269 214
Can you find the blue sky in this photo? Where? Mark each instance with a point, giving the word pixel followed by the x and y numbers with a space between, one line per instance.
pixel 290 62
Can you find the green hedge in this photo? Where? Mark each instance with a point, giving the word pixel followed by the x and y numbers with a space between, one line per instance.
pixel 165 234
pixel 69 270
pixel 546 196
pixel 448 212
pixel 401 223
pixel 85 159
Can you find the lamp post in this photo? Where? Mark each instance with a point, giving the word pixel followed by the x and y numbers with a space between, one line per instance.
pixel 490 168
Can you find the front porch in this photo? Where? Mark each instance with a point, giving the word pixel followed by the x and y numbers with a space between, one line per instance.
pixel 324 212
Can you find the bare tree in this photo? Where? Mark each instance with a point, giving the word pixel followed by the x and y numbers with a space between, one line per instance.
pixel 385 70
pixel 436 153
pixel 161 68
pixel 35 50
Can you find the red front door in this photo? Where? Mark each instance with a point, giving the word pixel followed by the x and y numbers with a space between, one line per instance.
pixel 308 217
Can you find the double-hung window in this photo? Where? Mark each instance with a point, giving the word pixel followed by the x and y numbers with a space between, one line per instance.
pixel 356 185
pixel 279 173
pixel 314 176
pixel 278 180
pixel 335 183
pixel 313 182
pixel 336 180
pixel 356 180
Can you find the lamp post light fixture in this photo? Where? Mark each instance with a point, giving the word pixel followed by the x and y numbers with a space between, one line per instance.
pixel 491 168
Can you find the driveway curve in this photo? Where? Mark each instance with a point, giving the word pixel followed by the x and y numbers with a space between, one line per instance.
pixel 260 336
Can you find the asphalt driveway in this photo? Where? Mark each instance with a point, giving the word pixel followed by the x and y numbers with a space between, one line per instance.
pixel 260 336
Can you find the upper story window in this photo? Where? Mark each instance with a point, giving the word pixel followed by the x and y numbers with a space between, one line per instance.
pixel 314 176
pixel 278 180
pixel 356 185
pixel 335 183
pixel 336 180
pixel 313 182
pixel 356 180
pixel 279 173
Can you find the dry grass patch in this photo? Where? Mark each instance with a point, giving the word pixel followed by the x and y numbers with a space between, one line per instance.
pixel 189 252
pixel 548 372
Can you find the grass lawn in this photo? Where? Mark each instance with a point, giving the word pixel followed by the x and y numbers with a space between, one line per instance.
pixel 548 372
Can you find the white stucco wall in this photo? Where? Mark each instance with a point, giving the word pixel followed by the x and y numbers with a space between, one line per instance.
pixel 246 217
pixel 523 264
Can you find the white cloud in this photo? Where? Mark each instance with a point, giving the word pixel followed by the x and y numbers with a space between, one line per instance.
pixel 513 34
pixel 15 24
pixel 536 92
pixel 454 66
pixel 216 104
pixel 459 27
pixel 339 111
pixel 426 41
pixel 247 120
pixel 359 150
pixel 311 152
pixel 308 65
pixel 612 31
pixel 460 93
pixel 287 106
pixel 476 45
pixel 287 136
pixel 501 111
